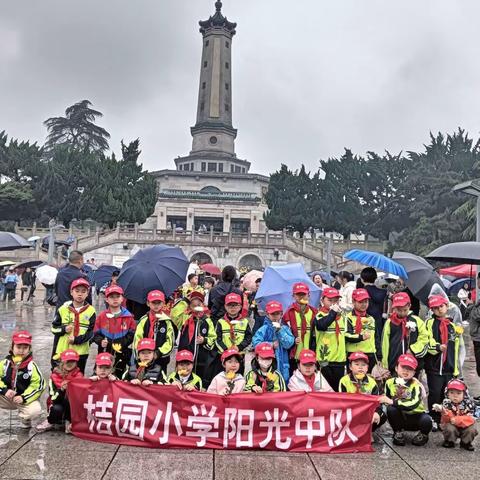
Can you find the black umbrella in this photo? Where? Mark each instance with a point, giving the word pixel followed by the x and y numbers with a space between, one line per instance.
pixel 421 275
pixel 103 274
pixel 12 241
pixel 459 252
pixel 30 264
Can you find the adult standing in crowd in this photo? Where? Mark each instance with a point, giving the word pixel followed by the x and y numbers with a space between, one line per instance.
pixel 348 285
pixel 27 277
pixel 228 284
pixel 10 285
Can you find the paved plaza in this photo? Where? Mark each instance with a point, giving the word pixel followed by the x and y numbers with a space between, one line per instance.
pixel 54 455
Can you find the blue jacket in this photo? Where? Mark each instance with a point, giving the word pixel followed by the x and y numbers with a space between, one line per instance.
pixel 285 339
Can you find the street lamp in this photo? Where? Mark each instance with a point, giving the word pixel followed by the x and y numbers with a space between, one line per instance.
pixel 472 188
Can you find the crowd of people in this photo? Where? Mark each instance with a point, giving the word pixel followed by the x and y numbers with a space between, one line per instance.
pixel 360 339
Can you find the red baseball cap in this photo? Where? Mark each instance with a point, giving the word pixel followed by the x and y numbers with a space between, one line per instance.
pixel 230 352
pixel 233 298
pixel 401 299
pixel 407 360
pixel 69 355
pixel 184 356
pixel 265 350
pixel 104 359
pixel 80 282
pixel 22 338
pixel 307 356
pixel 146 344
pixel 113 289
pixel 196 294
pixel 330 292
pixel 437 301
pixel 273 306
pixel 155 296
pixel 301 287
pixel 456 385
pixel 360 294
pixel 358 356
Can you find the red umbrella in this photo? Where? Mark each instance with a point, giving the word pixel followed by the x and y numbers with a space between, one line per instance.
pixel 459 271
pixel 211 269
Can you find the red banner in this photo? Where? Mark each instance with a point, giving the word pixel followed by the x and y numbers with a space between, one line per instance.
pixel 165 417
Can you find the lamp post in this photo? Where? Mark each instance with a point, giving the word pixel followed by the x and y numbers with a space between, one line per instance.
pixel 472 188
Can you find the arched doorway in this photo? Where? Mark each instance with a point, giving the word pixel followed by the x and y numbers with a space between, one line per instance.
pixel 250 262
pixel 201 258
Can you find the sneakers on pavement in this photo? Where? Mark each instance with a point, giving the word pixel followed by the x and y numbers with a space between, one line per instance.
pixel 448 444
pixel 45 426
pixel 68 427
pixel 399 439
pixel 419 439
pixel 26 424
pixel 467 446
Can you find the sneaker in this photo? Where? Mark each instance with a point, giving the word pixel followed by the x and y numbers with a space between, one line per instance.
pixel 399 439
pixel 434 426
pixel 419 439
pixel 467 446
pixel 45 426
pixel 68 427
pixel 448 444
pixel 27 424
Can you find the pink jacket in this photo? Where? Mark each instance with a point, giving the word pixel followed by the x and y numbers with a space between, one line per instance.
pixel 298 383
pixel 220 383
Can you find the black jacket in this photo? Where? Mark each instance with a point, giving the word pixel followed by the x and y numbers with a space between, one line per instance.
pixel 376 308
pixel 65 277
pixel 216 298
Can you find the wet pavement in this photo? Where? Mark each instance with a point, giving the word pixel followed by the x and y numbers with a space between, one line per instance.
pixel 54 455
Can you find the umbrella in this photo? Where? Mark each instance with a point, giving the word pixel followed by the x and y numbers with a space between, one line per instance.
pixel 46 241
pixel 250 277
pixel 376 260
pixel 155 268
pixel 211 269
pixel 33 239
pixel 459 252
pixel 6 263
pixel 277 283
pixel 421 275
pixel 458 271
pixel 455 286
pixel 47 274
pixel 30 264
pixel 12 241
pixel 103 274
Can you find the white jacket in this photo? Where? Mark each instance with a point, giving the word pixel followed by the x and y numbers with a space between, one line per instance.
pixel 346 302
pixel 297 383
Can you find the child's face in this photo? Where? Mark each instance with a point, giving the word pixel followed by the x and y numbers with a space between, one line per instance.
pixel 79 294
pixel 328 302
pixel 21 349
pixel 146 355
pixel 402 312
pixel 114 300
pixel 184 368
pixel 207 285
pixel 301 298
pixel 155 306
pixel 70 365
pixel 307 369
pixel 275 316
pixel 405 372
pixel 103 371
pixel 232 364
pixel 456 396
pixel 360 306
pixel 233 309
pixel 359 367
pixel 440 311
pixel 196 306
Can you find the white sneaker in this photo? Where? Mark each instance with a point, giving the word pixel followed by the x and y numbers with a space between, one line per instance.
pixel 68 427
pixel 45 426
pixel 27 424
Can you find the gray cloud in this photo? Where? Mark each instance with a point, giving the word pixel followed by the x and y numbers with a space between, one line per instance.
pixel 310 77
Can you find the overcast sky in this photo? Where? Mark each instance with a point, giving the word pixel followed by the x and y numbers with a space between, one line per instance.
pixel 310 76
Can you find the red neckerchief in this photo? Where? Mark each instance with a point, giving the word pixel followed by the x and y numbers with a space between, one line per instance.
pixel 262 379
pixel 76 318
pixel 337 325
pixel 292 321
pixel 358 323
pixel 190 324
pixel 310 381
pixel 443 327
pixel 232 331
pixel 152 317
pixel 15 368
pixel 400 322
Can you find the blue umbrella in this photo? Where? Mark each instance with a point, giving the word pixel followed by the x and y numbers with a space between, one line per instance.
pixel 377 260
pixel 455 287
pixel 88 270
pixel 155 268
pixel 103 274
pixel 277 283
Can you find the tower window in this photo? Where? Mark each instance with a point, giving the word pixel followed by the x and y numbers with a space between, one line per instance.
pixel 205 63
pixel 227 44
pixel 220 167
pixel 191 166
pixel 232 168
pixel 204 84
pixel 207 43
pixel 212 167
pixel 227 65
pixel 204 167
pixel 213 140
pixel 227 107
pixel 227 86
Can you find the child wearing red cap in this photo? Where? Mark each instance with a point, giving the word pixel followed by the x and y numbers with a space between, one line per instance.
pixel 114 329
pixel 233 330
pixel 230 380
pixel 73 324
pixel 145 371
pixel 21 381
pixel 300 318
pixel 403 332
pixel 406 409
pixel 457 412
pixel 264 376
pixel 306 378
pixel 104 364
pixel 360 334
pixel 57 403
pixel 276 332
pixel 442 358
pixel 183 376
pixel 197 335
pixel 157 324
pixel 330 331
pixel 358 381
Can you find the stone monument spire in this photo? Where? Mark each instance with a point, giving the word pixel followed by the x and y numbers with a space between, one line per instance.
pixel 213 131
